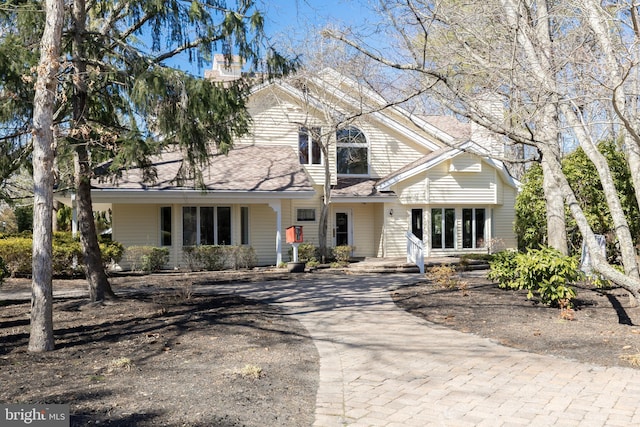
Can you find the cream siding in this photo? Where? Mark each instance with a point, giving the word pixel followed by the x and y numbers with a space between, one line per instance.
pixel 503 221
pixel 136 225
pixel 278 124
pixel 465 163
pixel 388 150
pixel 414 189
pixel 394 240
pixel 461 187
pixel 378 224
pixel 363 221
pixel 309 228
pixel 262 236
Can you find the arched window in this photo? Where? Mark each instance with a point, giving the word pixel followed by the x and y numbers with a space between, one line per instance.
pixel 352 151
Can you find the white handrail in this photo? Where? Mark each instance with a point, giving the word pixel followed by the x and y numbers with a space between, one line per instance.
pixel 415 251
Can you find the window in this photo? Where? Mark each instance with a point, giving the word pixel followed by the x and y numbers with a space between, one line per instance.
pixel 206 225
pixel 165 226
pixel 443 226
pixel 352 152
pixel 244 225
pixel 473 221
pixel 306 214
pixel 309 153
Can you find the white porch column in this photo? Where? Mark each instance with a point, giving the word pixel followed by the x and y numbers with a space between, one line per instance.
pixel 74 216
pixel 276 205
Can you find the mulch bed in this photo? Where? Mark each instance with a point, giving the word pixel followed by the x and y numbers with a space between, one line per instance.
pixel 604 329
pixel 165 357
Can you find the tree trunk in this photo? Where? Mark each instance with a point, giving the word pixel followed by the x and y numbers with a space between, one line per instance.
pixel 556 217
pixel 323 223
pixel 556 221
pixel 41 335
pixel 620 223
pixel 600 264
pixel 99 287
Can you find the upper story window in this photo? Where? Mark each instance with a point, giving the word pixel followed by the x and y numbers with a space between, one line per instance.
pixel 309 146
pixel 352 151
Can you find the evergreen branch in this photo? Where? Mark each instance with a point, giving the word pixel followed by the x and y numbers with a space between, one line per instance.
pixel 194 44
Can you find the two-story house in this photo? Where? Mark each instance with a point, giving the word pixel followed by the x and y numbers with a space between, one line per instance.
pixel 397 181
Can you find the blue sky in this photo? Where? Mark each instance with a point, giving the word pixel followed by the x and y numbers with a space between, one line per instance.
pixel 290 21
pixel 292 17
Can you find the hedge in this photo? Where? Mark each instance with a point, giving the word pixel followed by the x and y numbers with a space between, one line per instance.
pixel 16 252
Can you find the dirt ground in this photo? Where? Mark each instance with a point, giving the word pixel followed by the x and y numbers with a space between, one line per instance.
pixel 604 331
pixel 163 356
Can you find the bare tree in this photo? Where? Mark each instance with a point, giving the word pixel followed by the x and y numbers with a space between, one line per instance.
pixel 560 69
pixel 329 67
pixel 41 337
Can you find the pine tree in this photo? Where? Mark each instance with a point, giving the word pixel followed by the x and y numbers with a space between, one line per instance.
pixel 120 99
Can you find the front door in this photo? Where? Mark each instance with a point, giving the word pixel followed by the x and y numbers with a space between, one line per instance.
pixel 342 229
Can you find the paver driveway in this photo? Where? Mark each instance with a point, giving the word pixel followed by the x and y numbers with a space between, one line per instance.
pixel 380 366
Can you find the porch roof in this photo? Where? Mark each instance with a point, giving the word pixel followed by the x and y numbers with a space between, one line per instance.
pixel 358 188
pixel 246 169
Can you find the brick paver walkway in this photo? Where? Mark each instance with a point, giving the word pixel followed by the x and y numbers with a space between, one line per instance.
pixel 380 366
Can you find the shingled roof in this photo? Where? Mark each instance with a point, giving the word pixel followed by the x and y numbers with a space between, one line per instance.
pixel 357 187
pixel 247 168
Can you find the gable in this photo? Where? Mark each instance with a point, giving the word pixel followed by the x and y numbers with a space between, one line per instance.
pixel 466 158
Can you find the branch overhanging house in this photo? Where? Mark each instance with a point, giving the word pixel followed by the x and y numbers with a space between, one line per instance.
pixel 401 185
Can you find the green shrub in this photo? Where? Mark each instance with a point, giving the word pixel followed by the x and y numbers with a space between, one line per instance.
pixel 215 258
pixel 155 260
pixel 66 256
pixel 146 258
pixel 307 252
pixel 190 256
pixel 16 253
pixel 342 254
pixel 212 257
pixel 243 257
pixel 544 272
pixel 111 252
pixel 66 253
pixel 4 271
pixel 502 268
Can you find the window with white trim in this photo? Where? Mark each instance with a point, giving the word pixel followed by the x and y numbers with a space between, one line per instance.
pixel 165 226
pixel 473 228
pixel 309 142
pixel 443 228
pixel 305 214
pixel 244 225
pixel 352 151
pixel 206 225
